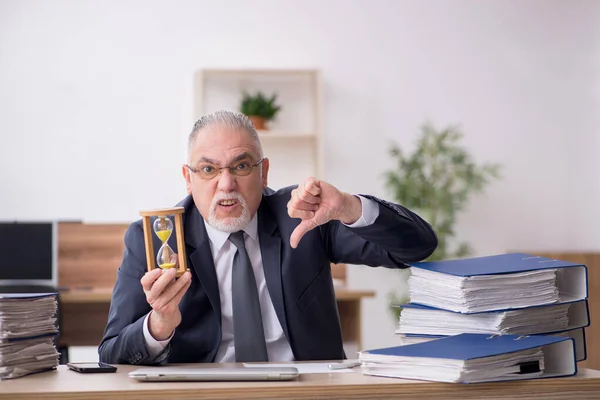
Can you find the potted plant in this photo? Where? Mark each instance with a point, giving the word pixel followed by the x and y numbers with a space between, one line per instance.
pixel 259 108
pixel 436 181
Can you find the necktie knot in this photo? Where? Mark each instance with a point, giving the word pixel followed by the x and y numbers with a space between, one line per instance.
pixel 237 238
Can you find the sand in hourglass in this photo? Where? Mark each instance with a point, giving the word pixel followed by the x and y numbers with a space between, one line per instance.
pixel 166 258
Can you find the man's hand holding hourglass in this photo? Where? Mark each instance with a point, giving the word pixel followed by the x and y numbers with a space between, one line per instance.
pixel 163 293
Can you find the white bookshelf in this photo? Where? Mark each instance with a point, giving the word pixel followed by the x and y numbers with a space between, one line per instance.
pixel 293 142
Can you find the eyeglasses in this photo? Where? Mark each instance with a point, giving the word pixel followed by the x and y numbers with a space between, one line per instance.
pixel 209 171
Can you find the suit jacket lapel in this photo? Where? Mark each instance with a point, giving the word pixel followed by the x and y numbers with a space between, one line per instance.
pixel 201 258
pixel 270 249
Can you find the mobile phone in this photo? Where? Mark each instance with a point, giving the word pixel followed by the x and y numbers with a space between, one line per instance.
pixel 91 367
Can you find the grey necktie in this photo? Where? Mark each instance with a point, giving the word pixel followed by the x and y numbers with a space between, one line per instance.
pixel 248 332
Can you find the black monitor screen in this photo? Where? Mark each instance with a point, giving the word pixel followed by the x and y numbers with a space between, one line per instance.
pixel 26 250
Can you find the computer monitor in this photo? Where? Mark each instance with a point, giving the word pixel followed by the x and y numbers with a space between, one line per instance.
pixel 28 253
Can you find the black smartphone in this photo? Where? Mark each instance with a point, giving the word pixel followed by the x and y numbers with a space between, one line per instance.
pixel 91 367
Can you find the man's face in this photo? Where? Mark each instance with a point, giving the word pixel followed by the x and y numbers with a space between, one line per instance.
pixel 226 201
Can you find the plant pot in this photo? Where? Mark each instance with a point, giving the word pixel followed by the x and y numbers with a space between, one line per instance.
pixel 260 123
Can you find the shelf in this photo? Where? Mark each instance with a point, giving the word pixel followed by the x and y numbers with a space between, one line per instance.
pixel 293 142
pixel 278 134
pixel 259 71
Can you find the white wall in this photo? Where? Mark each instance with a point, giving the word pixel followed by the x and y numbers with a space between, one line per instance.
pixel 585 172
pixel 93 93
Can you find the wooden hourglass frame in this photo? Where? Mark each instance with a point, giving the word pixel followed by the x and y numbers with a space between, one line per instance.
pixel 162 215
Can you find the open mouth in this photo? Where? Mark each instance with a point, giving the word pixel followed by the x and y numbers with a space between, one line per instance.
pixel 227 203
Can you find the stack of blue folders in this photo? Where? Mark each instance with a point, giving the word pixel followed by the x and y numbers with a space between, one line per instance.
pixel 510 295
pixel 28 328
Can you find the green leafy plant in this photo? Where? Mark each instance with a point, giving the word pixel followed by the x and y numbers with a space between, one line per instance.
pixel 259 105
pixel 436 181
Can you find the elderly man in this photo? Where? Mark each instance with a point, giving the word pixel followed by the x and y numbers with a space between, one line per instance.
pixel 260 286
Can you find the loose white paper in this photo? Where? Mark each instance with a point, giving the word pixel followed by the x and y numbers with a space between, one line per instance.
pixel 304 368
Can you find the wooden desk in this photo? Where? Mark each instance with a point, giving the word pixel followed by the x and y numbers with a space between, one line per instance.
pixel 66 384
pixel 84 314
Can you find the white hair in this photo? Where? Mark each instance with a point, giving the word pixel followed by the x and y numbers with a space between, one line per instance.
pixel 225 119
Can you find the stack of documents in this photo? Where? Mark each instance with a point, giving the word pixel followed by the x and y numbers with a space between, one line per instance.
pixel 496 282
pixel 503 294
pixel 488 319
pixel 423 320
pixel 578 336
pixel 480 293
pixel 28 327
pixel 471 358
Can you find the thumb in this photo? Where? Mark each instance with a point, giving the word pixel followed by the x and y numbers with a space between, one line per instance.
pixel 300 231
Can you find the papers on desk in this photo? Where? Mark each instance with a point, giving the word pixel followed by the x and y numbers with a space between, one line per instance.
pixel 577 334
pixel 28 327
pixel 27 315
pixel 423 320
pixel 497 282
pixel 24 357
pixel 303 368
pixel 488 318
pixel 464 293
pixel 471 358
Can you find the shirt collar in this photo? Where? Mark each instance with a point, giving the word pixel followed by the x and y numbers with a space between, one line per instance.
pixel 218 238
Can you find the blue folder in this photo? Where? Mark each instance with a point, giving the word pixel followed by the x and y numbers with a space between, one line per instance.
pixel 559 355
pixel 572 279
pixel 468 346
pixel 577 334
pixel 492 265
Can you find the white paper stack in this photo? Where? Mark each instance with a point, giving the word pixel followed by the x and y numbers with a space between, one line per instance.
pixel 504 317
pixel 471 358
pixel 28 356
pixel 506 294
pixel 28 327
pixel 577 334
pixel 500 282
pixel 448 370
pixel 485 292
pixel 420 320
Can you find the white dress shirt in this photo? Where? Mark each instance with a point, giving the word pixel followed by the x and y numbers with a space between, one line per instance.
pixel 278 347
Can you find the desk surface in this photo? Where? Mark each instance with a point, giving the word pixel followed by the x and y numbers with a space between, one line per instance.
pixel 102 295
pixel 66 384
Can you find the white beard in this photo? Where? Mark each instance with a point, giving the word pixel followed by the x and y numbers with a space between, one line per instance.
pixel 229 224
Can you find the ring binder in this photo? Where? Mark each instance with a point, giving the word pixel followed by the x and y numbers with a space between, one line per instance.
pixel 472 358
pixel 498 282
pixel 529 367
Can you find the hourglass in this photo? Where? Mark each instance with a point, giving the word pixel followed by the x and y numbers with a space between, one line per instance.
pixel 162 227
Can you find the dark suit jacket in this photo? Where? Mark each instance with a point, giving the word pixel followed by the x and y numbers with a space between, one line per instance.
pixel 299 280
